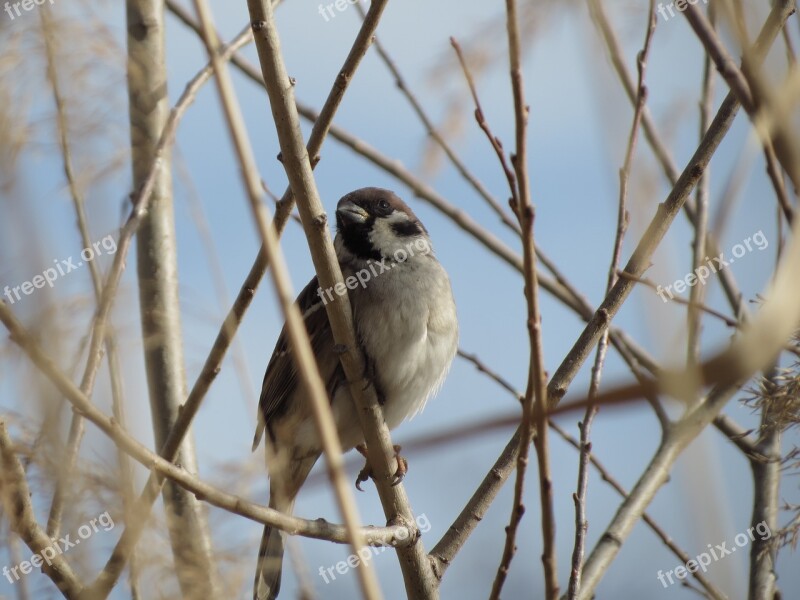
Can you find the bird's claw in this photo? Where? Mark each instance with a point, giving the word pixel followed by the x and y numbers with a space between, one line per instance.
pixel 363 475
pixel 402 467
pixel 366 473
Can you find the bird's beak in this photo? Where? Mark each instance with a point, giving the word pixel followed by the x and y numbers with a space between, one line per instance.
pixel 348 212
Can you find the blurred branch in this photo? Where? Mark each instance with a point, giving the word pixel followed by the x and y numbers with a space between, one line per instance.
pixel 759 102
pixel 737 81
pixel 112 357
pixel 134 527
pixel 159 304
pixel 16 499
pixel 140 201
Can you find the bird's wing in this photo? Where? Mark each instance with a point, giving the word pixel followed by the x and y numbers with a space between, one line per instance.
pixel 281 379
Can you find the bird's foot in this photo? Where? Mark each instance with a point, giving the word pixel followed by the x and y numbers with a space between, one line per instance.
pixel 367 473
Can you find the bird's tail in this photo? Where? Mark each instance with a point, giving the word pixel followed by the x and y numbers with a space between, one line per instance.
pixel 267 582
pixel 270 563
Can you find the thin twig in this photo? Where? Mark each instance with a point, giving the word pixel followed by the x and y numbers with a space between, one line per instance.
pixel 535 402
pixel 579 497
pixel 696 294
pixel 437 137
pixel 678 300
pixel 497 145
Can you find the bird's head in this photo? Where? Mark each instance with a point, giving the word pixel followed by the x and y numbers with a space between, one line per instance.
pixel 374 223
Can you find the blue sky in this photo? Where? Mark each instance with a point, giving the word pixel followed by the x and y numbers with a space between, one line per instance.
pixel 578 130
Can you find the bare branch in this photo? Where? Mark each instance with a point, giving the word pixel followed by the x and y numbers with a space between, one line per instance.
pixel 16 500
pixel 579 497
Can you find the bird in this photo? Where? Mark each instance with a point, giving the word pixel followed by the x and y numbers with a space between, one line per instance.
pixel 405 321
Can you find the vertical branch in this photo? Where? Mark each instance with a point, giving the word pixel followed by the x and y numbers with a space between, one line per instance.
pixel 579 497
pixel 112 356
pixel 158 291
pixel 766 494
pixel 140 510
pixel 533 415
pixel 699 245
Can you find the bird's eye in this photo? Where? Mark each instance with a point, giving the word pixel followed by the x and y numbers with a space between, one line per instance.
pixel 384 205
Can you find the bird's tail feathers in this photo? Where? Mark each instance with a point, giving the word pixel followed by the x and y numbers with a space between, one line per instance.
pixel 267 582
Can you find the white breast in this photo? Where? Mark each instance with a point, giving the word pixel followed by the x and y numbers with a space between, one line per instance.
pixel 408 326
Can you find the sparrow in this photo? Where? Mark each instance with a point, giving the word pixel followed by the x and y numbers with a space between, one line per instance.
pixel 405 322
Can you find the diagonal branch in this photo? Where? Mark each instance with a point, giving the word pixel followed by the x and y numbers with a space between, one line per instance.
pixel 417 572
pixel 308 370
pixel 395 535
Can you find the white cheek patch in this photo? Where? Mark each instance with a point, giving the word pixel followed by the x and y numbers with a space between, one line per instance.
pixel 383 237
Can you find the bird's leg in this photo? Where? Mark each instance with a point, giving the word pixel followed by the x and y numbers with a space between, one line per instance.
pixel 367 473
